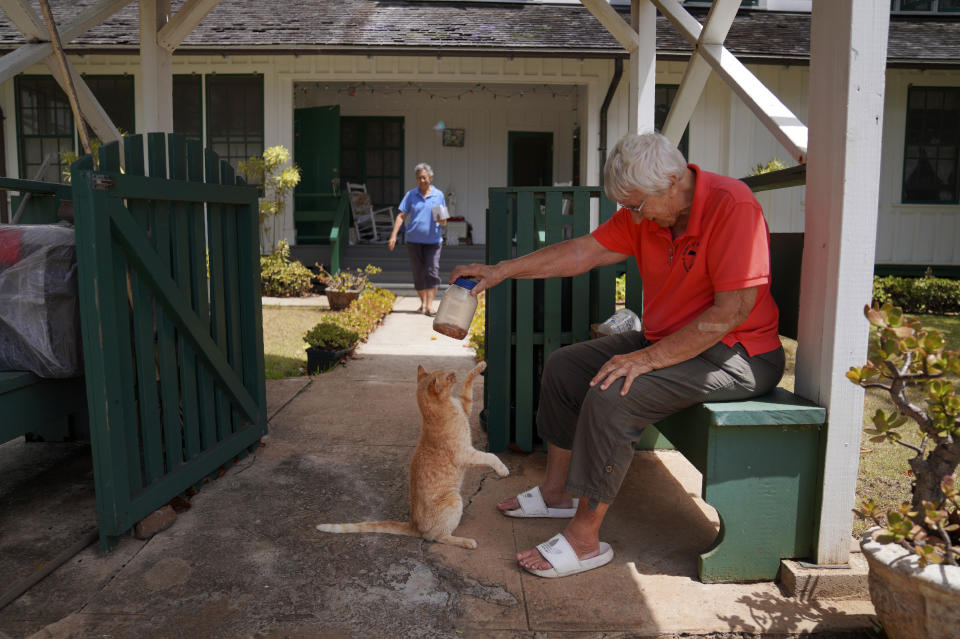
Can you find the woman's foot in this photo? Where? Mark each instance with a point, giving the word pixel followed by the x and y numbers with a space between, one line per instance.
pixel 551 499
pixel 421 310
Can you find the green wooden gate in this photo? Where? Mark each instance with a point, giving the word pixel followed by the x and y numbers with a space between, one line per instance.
pixel 529 319
pixel 171 320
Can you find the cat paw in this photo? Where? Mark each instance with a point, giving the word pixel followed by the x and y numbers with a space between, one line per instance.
pixel 502 470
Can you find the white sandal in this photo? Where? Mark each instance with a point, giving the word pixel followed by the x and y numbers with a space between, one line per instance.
pixel 532 505
pixel 564 561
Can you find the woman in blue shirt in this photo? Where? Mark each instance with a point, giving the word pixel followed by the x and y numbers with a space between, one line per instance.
pixel 424 236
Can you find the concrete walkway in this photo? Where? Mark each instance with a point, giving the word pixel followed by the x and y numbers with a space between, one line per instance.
pixel 246 561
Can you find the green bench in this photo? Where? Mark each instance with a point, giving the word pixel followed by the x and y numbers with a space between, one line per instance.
pixel 42 409
pixel 760 462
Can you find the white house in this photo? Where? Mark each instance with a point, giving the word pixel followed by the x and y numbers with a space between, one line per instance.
pixel 530 90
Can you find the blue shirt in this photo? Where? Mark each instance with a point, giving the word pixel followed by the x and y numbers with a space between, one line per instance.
pixel 421 227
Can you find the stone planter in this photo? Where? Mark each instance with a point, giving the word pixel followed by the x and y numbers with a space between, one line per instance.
pixel 320 360
pixel 911 602
pixel 339 300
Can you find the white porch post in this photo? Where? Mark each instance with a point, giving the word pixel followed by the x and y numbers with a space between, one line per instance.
pixel 642 74
pixel 848 47
pixel 156 69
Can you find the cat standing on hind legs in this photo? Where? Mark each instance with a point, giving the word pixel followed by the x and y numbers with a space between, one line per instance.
pixel 443 453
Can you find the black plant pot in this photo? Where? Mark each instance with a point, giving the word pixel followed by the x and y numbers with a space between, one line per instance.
pixel 320 360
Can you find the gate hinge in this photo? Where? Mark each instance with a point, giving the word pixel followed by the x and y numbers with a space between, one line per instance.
pixel 102 182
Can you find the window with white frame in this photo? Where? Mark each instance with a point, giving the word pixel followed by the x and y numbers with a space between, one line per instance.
pixel 932 145
pixel 925 6
pixel 235 116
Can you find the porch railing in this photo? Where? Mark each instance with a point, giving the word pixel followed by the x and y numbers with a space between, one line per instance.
pixel 529 319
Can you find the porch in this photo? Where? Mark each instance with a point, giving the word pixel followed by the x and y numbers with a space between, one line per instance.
pixel 245 560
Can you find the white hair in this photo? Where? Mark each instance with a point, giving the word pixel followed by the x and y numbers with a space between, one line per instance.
pixel 644 163
pixel 423 166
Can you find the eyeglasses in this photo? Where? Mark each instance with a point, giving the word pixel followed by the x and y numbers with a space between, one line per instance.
pixel 636 209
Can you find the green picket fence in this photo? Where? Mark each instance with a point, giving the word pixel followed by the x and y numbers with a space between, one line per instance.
pixel 168 264
pixel 529 319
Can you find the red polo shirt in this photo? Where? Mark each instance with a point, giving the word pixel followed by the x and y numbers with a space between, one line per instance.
pixel 725 247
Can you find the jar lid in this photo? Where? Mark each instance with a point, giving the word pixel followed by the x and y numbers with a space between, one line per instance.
pixel 463 282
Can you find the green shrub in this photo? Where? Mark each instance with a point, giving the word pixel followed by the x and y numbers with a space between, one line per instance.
pixel 331 336
pixel 935 295
pixel 359 319
pixel 621 295
pixel 281 277
pixel 478 328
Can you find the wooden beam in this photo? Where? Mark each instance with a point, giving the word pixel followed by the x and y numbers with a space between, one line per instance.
pixel 782 123
pixel 25 19
pixel 617 26
pixel 719 20
pixel 642 76
pixel 27 55
pixel 65 77
pixel 156 69
pixel 790 176
pixel 92 111
pixel 848 52
pixel 183 22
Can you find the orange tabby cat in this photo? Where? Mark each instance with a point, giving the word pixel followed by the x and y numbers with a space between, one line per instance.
pixel 436 471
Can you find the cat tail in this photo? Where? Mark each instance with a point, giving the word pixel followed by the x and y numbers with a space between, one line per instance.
pixel 389 527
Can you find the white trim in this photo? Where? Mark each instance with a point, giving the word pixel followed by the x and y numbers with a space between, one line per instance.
pixel 718 23
pixel 156 69
pixel 848 46
pixel 25 19
pixel 26 55
pixel 784 125
pixel 183 22
pixel 90 109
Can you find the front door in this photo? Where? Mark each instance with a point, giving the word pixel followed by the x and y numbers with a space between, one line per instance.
pixel 316 148
pixel 530 162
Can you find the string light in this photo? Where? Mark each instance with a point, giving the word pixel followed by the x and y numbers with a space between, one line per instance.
pixel 445 94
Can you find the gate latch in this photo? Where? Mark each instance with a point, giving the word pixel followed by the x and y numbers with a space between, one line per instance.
pixel 102 182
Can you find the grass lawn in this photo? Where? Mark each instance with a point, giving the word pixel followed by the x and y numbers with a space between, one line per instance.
pixel 284 351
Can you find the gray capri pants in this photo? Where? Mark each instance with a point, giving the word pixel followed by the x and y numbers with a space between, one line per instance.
pixel 425 264
pixel 600 427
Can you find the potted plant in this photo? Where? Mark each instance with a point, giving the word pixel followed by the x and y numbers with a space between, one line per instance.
pixel 327 343
pixel 343 287
pixel 274 182
pixel 914 549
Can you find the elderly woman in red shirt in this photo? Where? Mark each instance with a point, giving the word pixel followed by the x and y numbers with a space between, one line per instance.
pixel 709 334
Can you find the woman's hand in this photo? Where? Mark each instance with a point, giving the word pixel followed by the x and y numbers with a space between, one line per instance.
pixel 392 242
pixel 487 276
pixel 629 366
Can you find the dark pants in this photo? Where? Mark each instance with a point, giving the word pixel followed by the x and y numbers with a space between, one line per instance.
pixel 600 427
pixel 425 263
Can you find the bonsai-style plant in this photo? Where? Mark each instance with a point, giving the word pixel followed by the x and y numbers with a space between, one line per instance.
pixel 275 181
pixel 347 280
pixel 910 363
